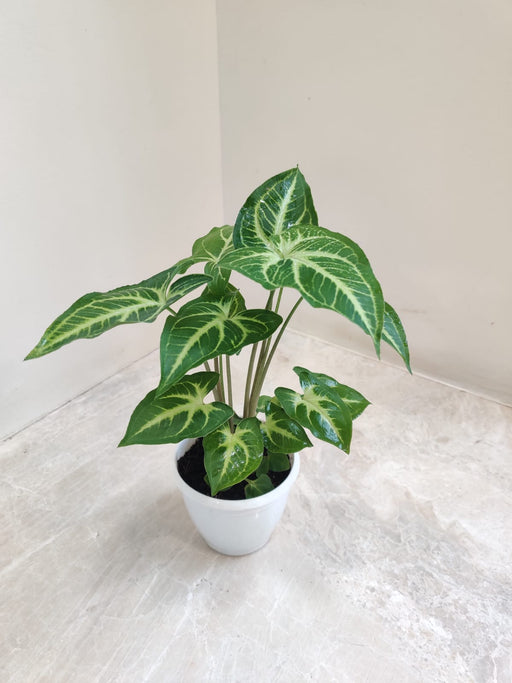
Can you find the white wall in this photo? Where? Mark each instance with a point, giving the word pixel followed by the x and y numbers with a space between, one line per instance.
pixel 399 114
pixel 109 164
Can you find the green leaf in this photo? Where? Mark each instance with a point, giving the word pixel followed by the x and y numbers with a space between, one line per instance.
pixel 211 248
pixel 97 312
pixel 231 457
pixel 393 333
pixel 263 467
pixel 281 434
pixel 205 329
pixel 278 462
pixel 328 269
pixel 180 413
pixel 259 486
pixel 279 203
pixel 321 411
pixel 355 401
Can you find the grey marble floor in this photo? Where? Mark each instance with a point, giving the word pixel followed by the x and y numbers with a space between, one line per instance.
pixel 393 564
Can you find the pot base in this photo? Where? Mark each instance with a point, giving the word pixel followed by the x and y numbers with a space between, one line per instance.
pixel 235 527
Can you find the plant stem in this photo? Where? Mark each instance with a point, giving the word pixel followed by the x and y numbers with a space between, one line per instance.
pixel 230 392
pixel 220 386
pixel 261 370
pixel 254 350
pixel 248 380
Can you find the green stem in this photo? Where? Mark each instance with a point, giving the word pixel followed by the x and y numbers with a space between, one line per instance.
pixel 254 350
pixel 215 390
pixel 261 371
pixel 230 391
pixel 218 368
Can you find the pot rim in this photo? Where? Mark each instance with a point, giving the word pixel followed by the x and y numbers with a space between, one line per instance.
pixel 242 503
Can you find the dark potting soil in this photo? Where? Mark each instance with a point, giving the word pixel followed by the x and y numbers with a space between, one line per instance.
pixel 192 471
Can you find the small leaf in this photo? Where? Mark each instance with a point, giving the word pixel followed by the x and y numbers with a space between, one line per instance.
pixel 393 333
pixel 97 312
pixel 263 402
pixel 205 329
pixel 321 411
pixel 355 401
pixel 279 203
pixel 211 248
pixel 263 466
pixel 281 434
pixel 180 413
pixel 328 269
pixel 259 486
pixel 278 462
pixel 231 457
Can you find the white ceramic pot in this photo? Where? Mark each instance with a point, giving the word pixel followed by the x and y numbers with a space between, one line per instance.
pixel 235 527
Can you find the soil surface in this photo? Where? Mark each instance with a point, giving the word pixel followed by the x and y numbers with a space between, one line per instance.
pixel 192 471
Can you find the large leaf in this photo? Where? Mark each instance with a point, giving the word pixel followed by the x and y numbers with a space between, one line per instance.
pixel 321 410
pixel 276 205
pixel 97 312
pixel 211 248
pixel 328 269
pixel 281 434
pixel 178 414
pixel 394 334
pixel 230 457
pixel 355 401
pixel 205 329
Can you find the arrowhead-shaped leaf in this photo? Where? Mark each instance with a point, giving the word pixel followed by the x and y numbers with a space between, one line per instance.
pixel 276 205
pixel 211 248
pixel 259 486
pixel 355 401
pixel 394 334
pixel 178 414
pixel 231 457
pixel 97 312
pixel 205 329
pixel 328 269
pixel 281 434
pixel 321 411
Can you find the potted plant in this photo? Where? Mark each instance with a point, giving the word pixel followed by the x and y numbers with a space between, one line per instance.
pixel 242 451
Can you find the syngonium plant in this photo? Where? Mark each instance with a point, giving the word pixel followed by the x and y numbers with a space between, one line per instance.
pixel 276 242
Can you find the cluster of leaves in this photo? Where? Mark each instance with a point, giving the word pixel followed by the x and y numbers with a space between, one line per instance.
pixel 276 242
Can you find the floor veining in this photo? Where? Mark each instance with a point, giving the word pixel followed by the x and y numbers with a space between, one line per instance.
pixel 392 564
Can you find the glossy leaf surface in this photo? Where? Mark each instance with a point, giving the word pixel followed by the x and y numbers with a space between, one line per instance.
pixel 279 203
pixel 393 333
pixel 281 434
pixel 178 414
pixel 97 312
pixel 211 248
pixel 231 457
pixel 355 401
pixel 321 410
pixel 205 329
pixel 328 269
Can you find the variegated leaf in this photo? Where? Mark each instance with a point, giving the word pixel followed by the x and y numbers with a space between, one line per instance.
pixel 205 329
pixel 355 401
pixel 230 457
pixel 328 269
pixel 178 414
pixel 259 486
pixel 393 333
pixel 97 312
pixel 321 411
pixel 281 434
pixel 211 248
pixel 276 205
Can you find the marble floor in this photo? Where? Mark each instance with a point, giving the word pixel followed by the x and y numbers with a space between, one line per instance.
pixel 393 564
